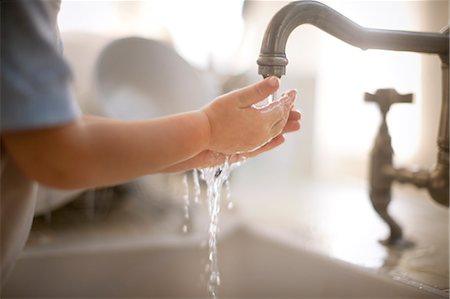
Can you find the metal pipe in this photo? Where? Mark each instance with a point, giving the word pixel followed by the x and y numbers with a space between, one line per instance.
pixel 273 61
pixel 435 181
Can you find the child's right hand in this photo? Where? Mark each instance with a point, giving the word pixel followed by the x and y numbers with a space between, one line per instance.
pixel 236 126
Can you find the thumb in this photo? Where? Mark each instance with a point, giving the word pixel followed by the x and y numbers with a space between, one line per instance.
pixel 255 93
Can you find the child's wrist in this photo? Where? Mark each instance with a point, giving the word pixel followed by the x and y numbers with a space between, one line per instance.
pixel 205 129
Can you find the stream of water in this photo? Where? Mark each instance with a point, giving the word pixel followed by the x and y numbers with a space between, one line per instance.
pixel 217 186
pixel 216 179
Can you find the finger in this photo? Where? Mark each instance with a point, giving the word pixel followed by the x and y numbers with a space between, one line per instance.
pixel 277 141
pixel 278 110
pixel 294 115
pixel 287 100
pixel 290 92
pixel 255 93
pixel 204 159
pixel 279 114
pixel 291 126
pixel 278 127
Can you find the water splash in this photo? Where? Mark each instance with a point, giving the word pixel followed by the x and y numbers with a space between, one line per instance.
pixel 228 194
pixel 186 203
pixel 267 101
pixel 196 182
pixel 274 97
pixel 186 197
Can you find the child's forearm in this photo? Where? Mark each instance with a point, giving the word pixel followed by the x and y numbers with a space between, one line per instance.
pixel 151 145
pixel 98 151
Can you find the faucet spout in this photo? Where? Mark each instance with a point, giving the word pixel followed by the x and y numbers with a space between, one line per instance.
pixel 272 59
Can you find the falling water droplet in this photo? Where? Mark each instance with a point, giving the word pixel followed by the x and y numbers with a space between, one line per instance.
pixel 186 202
pixel 196 182
pixel 274 97
pixel 228 194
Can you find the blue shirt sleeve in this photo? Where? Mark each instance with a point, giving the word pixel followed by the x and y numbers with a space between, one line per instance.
pixel 35 79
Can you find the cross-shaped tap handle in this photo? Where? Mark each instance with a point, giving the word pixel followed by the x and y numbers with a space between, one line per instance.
pixel 386 97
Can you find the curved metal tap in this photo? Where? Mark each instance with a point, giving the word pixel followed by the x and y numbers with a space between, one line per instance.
pixel 272 61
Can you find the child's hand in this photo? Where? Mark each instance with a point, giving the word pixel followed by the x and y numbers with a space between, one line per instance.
pixel 208 158
pixel 237 127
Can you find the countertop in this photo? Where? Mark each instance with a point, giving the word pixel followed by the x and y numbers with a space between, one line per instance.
pixel 334 218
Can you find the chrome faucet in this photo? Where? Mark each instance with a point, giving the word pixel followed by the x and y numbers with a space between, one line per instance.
pixel 272 61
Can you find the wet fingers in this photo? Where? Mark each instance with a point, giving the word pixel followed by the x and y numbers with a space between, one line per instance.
pixel 291 126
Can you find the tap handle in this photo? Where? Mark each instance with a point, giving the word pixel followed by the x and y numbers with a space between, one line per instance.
pixel 386 97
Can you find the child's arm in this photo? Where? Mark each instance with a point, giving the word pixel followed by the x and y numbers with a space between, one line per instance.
pixel 97 152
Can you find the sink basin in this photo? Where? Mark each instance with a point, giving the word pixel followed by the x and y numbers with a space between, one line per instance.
pixel 254 263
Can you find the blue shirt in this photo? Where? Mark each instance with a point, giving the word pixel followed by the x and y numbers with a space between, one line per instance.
pixel 35 93
pixel 35 79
